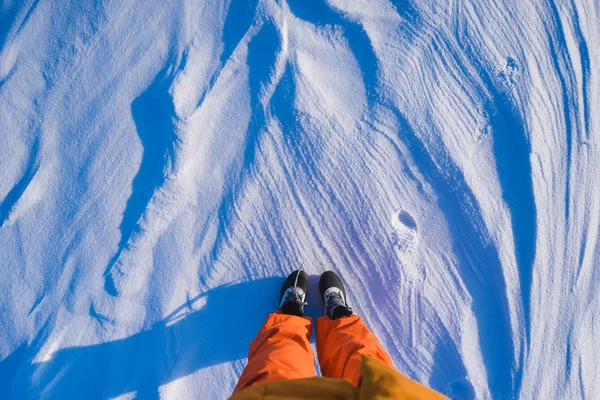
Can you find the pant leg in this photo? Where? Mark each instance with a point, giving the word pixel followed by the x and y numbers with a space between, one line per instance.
pixel 341 343
pixel 281 350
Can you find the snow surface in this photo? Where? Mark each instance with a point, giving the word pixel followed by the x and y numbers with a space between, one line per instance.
pixel 165 164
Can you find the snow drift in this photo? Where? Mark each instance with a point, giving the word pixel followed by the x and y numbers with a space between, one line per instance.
pixel 165 164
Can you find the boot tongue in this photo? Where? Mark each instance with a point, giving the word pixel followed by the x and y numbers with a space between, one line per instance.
pixel 293 308
pixel 335 304
pixel 292 302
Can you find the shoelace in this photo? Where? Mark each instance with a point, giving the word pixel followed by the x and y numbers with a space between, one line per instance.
pixel 335 296
pixel 291 294
pixel 333 300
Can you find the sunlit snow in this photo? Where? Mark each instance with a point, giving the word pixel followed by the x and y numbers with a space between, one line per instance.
pixel 164 164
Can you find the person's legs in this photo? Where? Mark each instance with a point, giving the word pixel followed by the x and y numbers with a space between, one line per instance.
pixel 342 337
pixel 341 343
pixel 281 350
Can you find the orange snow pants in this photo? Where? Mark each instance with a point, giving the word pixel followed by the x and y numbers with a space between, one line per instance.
pixel 282 349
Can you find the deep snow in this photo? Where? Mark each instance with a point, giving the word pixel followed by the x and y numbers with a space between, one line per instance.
pixel 166 164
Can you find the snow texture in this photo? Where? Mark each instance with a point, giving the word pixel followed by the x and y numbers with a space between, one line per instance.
pixel 164 165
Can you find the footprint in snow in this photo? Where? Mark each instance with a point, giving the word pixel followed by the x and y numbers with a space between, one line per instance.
pixel 405 239
pixel 405 236
pixel 505 77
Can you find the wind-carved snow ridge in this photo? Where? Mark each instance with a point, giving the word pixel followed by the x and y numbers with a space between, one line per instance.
pixel 464 217
pixel 263 50
pixel 15 195
pixel 238 20
pixel 166 164
pixel 322 14
pixel 154 116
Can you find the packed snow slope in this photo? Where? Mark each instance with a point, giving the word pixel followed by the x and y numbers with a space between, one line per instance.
pixel 165 164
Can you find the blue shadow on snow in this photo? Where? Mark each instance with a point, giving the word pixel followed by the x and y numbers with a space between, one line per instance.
pixel 15 194
pixel 237 22
pixel 184 342
pixel 153 113
pixel 9 368
pixel 448 366
pixel 319 13
pixel 478 258
pixel 262 55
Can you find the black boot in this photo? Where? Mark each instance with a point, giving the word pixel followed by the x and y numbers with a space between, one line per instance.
pixel 293 293
pixel 334 295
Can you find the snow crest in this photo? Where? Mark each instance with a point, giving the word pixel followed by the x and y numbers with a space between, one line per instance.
pixel 166 164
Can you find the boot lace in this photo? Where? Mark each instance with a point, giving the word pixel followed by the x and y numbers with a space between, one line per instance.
pixel 333 300
pixel 293 293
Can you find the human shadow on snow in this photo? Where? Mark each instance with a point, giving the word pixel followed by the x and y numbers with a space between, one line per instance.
pixel 184 342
